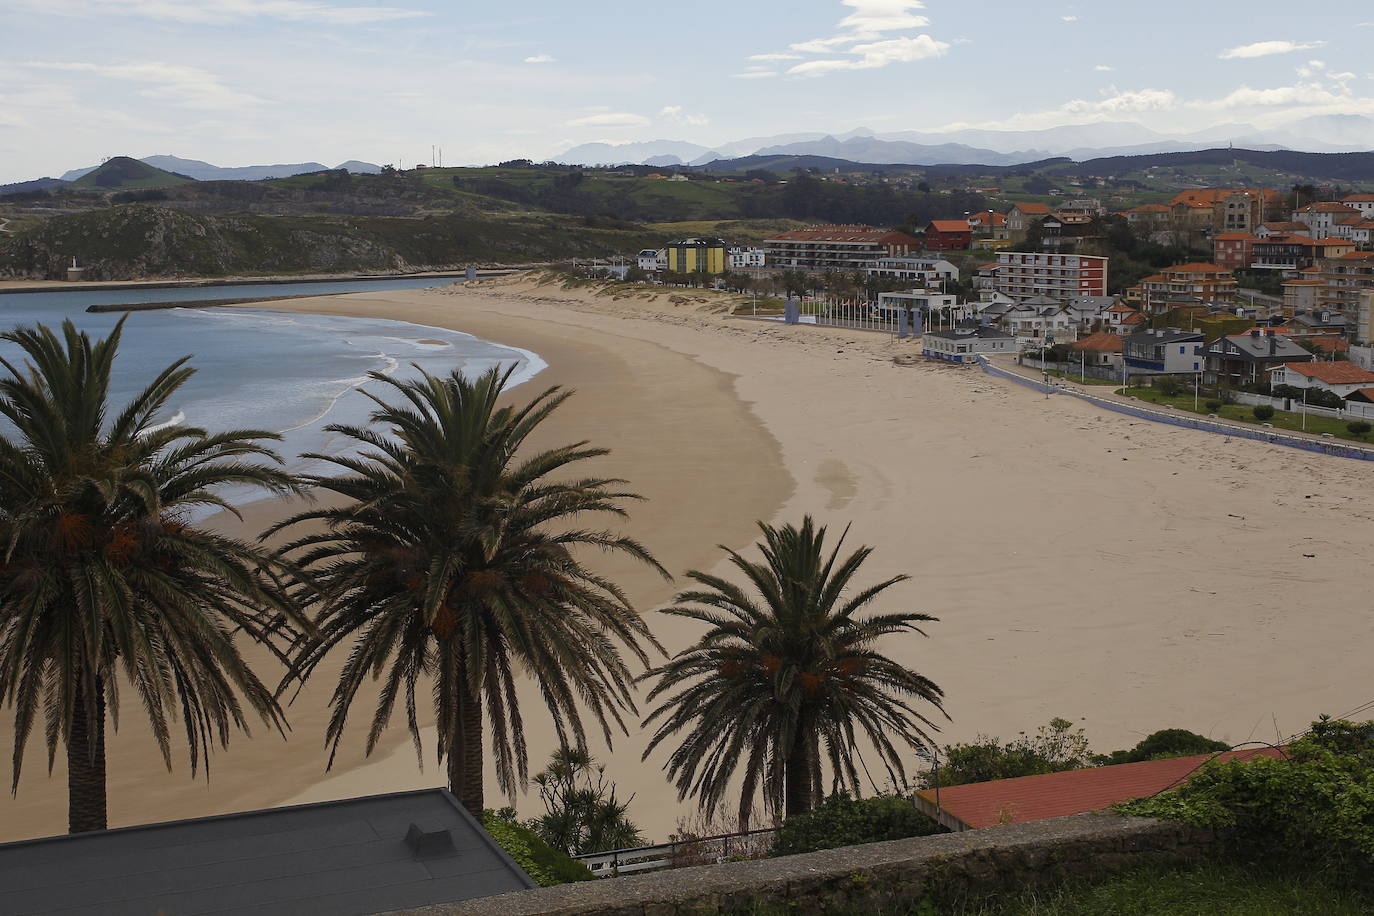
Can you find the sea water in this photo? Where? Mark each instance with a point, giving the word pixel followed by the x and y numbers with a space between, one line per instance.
pixel 291 374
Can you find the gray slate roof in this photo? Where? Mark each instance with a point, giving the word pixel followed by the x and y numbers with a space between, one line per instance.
pixel 344 857
pixel 982 333
pixel 1266 347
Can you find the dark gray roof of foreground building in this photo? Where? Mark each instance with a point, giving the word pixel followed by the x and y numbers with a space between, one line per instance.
pixel 360 856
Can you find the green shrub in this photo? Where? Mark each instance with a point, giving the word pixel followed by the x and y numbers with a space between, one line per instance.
pixel 844 821
pixel 1359 428
pixel 1315 807
pixel 1213 406
pixel 1052 749
pixel 1168 742
pixel 1262 412
pixel 546 865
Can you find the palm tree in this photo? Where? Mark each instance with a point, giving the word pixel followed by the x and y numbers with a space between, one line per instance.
pixel 106 581
pixel 782 672
pixel 581 811
pixel 450 560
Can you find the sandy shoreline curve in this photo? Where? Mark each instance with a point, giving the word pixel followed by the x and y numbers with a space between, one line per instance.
pixel 1126 575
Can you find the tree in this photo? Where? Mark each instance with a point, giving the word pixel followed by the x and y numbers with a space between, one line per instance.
pixel 1054 748
pixel 581 812
pixel 452 560
pixel 784 671
pixel 1359 428
pixel 1262 412
pixel 106 582
pixel 1168 742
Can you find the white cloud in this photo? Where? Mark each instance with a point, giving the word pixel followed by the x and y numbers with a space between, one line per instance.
pixel 1104 68
pixel 1069 18
pixel 876 54
pixel 874 16
pixel 678 115
pixel 1267 48
pixel 1134 101
pixel 1309 93
pixel 754 75
pixel 774 57
pixel 610 119
pixel 540 59
pixel 210 12
pixel 185 87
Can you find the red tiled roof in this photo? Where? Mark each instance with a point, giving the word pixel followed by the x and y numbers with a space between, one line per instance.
pixel 1101 342
pixel 1038 798
pixel 1149 208
pixel 1234 237
pixel 1357 256
pixel 1196 268
pixel 1334 241
pixel 1332 373
pixel 1364 394
pixel 1359 198
pixel 1033 208
pixel 1327 207
pixel 1288 226
pixel 1329 344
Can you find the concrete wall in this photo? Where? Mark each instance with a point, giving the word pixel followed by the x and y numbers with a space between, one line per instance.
pixel 887 876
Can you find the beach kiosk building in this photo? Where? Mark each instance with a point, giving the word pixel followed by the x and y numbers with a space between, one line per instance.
pixel 963 345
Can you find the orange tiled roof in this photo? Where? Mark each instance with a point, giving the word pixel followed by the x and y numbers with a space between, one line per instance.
pixel 1196 267
pixel 1101 342
pixel 950 225
pixel 1327 206
pixel 1329 344
pixel 1149 208
pixel 1234 237
pixel 1038 798
pixel 1033 208
pixel 1359 198
pixel 1332 373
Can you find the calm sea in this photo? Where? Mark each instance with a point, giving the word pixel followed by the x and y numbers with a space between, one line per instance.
pixel 288 373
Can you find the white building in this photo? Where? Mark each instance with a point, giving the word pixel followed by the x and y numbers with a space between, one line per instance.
pixel 964 344
pixel 1323 217
pixel 915 270
pixel 745 258
pixel 1025 275
pixel 1362 202
pixel 1342 378
pixel 653 259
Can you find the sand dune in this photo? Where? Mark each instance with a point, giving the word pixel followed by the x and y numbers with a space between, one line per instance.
pixel 1082 563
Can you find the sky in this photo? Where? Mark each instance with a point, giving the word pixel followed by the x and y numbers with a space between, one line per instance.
pixel 247 82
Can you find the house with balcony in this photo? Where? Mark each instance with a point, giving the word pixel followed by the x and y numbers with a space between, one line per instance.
pixel 1361 202
pixel 1233 250
pixel 1024 275
pixel 742 258
pixel 964 344
pixel 1208 283
pixel 1102 349
pixel 1021 216
pixel 1245 359
pixel 821 248
pixel 1164 350
pixel 914 270
pixel 652 259
pixel 1340 378
pixel 1322 217
pixel 948 235
pixel 1344 279
pixel 989 224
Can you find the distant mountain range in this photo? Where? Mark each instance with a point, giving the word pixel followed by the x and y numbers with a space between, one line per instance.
pixel 1319 134
pixel 204 171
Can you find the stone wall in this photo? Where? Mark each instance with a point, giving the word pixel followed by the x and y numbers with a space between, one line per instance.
pixel 879 876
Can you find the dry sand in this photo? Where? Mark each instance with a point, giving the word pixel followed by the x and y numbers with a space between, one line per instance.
pixel 1124 574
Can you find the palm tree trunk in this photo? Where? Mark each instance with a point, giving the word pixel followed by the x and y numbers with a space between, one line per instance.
pixel 86 763
pixel 465 763
pixel 797 780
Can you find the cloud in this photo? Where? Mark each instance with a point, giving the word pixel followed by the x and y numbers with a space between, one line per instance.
pixel 871 17
pixel 610 119
pixel 1103 68
pixel 876 54
pixel 185 87
pixel 754 75
pixel 1069 18
pixel 1134 101
pixel 213 12
pixel 677 115
pixel 540 59
pixel 1267 48
pixel 774 57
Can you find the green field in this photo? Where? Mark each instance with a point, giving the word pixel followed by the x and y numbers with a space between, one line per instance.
pixel 1281 420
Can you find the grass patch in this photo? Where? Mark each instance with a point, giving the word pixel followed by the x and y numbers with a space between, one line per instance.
pixel 1281 420
pixel 1209 890
pixel 1080 379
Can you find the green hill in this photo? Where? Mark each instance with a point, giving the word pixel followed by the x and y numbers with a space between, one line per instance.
pixel 123 172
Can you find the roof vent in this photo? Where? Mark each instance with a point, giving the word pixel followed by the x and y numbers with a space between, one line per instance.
pixel 429 843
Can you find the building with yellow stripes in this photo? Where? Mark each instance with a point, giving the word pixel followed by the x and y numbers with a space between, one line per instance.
pixel 690 256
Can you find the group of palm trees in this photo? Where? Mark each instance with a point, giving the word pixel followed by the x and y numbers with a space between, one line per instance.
pixel 446 563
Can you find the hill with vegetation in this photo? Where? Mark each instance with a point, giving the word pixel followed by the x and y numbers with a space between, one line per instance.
pixel 132 241
pixel 122 172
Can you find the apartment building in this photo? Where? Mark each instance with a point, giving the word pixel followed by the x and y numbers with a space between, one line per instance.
pixel 1323 217
pixel 914 270
pixel 1344 280
pixel 740 258
pixel 689 256
pixel 836 247
pixel 1206 282
pixel 1023 275
pixel 1361 202
pixel 1233 250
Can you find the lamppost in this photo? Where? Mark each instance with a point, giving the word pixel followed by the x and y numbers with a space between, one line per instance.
pixel 1304 409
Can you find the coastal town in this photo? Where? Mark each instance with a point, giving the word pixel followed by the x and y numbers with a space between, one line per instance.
pixel 1279 317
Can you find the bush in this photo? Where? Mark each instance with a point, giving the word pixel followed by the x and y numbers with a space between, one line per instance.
pixel 546 865
pixel 1320 397
pixel 844 821
pixel 1213 406
pixel 1052 749
pixel 1359 428
pixel 1168 387
pixel 1263 412
pixel 1168 742
pixel 1315 807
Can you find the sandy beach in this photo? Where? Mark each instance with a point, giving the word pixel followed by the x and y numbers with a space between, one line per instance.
pixel 1127 575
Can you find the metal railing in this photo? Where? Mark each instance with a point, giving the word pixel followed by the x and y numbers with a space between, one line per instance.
pixel 698 851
